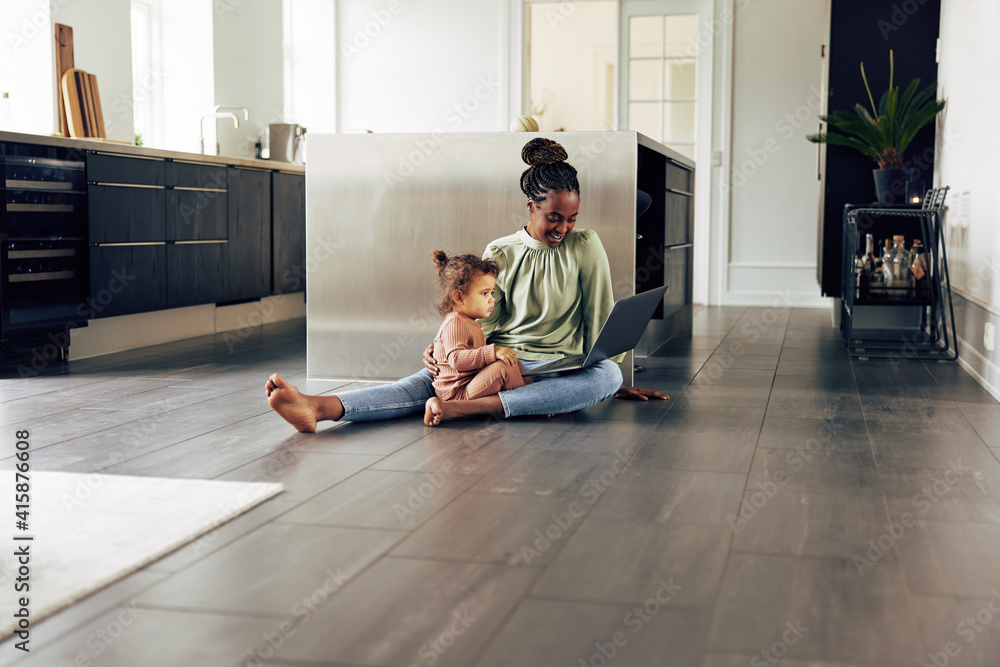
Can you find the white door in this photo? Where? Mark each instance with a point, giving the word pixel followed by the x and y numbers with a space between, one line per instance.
pixel 665 51
pixel 659 66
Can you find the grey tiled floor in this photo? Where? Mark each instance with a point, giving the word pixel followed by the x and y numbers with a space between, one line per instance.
pixel 787 507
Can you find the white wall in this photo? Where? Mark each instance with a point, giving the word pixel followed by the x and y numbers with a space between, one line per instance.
pixel 571 48
pixel 102 46
pixel 27 68
pixel 248 70
pixel 767 241
pixel 408 66
pixel 186 80
pixel 310 74
pixel 968 143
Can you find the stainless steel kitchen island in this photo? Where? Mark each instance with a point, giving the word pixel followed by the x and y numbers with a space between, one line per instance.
pixel 379 203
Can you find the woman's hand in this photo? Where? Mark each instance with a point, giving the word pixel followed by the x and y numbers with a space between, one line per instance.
pixel 506 355
pixel 639 394
pixel 429 362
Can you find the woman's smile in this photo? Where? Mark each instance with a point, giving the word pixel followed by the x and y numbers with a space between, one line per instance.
pixel 553 218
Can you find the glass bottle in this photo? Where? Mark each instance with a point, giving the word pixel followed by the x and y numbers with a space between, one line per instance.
pixel 869 258
pixel 887 267
pixel 870 248
pixel 861 278
pixel 902 280
pixel 918 269
pixel 876 281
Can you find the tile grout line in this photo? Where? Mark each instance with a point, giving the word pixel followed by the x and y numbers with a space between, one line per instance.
pixel 989 450
pixel 710 621
pixel 409 533
pixel 565 539
pixel 908 586
pixel 568 536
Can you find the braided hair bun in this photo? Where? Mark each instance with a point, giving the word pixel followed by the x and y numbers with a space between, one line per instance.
pixel 548 170
pixel 543 151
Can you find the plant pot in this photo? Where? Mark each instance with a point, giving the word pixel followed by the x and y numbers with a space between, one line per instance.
pixel 890 185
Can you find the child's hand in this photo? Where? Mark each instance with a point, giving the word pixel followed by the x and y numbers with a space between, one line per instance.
pixel 506 355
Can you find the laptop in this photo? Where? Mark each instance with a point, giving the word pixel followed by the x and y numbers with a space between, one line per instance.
pixel 620 333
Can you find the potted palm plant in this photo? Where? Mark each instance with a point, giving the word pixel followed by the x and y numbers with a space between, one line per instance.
pixel 885 132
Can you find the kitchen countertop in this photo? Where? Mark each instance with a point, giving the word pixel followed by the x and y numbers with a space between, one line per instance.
pixel 142 151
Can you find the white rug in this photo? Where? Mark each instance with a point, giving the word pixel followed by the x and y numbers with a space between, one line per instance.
pixel 90 530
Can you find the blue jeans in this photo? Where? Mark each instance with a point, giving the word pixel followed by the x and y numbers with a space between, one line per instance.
pixel 547 395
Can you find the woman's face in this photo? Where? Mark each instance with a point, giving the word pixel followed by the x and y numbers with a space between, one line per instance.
pixel 554 218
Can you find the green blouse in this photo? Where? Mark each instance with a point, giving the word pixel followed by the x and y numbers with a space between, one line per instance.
pixel 550 302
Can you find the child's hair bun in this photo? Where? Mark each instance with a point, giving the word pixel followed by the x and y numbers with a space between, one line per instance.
pixel 440 258
pixel 540 151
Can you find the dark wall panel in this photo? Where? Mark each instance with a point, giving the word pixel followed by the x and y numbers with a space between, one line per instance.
pixel 865 31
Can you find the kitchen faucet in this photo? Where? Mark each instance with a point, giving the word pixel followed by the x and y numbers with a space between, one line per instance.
pixel 217 115
pixel 246 112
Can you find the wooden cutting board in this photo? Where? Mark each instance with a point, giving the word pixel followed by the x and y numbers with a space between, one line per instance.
pixel 64 61
pixel 75 104
pixel 96 104
pixel 84 117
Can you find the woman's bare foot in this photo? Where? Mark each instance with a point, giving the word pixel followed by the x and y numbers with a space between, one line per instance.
pixel 433 411
pixel 300 410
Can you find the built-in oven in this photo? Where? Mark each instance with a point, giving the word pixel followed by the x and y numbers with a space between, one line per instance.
pixel 43 255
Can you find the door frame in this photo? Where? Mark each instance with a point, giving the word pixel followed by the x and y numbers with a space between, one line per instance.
pixel 715 36
pixel 709 32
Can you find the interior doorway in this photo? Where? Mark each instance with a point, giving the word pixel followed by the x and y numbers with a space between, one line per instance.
pixel 570 58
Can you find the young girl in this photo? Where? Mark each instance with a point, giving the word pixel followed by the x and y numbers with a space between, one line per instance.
pixel 469 368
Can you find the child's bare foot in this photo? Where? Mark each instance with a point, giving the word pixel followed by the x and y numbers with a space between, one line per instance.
pixel 433 411
pixel 437 411
pixel 300 410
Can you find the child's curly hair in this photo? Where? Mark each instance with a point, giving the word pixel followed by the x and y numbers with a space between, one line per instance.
pixel 456 272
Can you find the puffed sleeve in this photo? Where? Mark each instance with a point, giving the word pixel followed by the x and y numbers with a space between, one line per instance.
pixel 595 286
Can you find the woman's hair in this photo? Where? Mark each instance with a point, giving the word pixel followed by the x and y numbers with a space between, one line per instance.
pixel 456 272
pixel 548 170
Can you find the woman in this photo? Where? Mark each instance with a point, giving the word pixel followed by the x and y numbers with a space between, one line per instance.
pixel 552 296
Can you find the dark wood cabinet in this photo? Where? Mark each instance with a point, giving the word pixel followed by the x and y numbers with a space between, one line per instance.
pixel 194 175
pixel 125 214
pixel 126 218
pixel 103 168
pixel 288 219
pixel 249 234
pixel 197 233
pixel 196 215
pixel 678 274
pixel 196 273
pixel 680 214
pixel 665 232
pixel 127 279
pixel 190 233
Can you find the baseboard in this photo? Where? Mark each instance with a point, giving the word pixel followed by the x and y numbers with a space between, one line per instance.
pixel 982 364
pixel 965 348
pixel 764 298
pixel 128 332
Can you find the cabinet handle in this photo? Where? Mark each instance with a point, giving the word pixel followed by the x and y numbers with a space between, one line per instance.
pixel 638 237
pixel 141 186
pixel 127 243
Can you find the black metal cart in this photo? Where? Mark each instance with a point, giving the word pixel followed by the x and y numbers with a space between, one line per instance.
pixel 929 331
